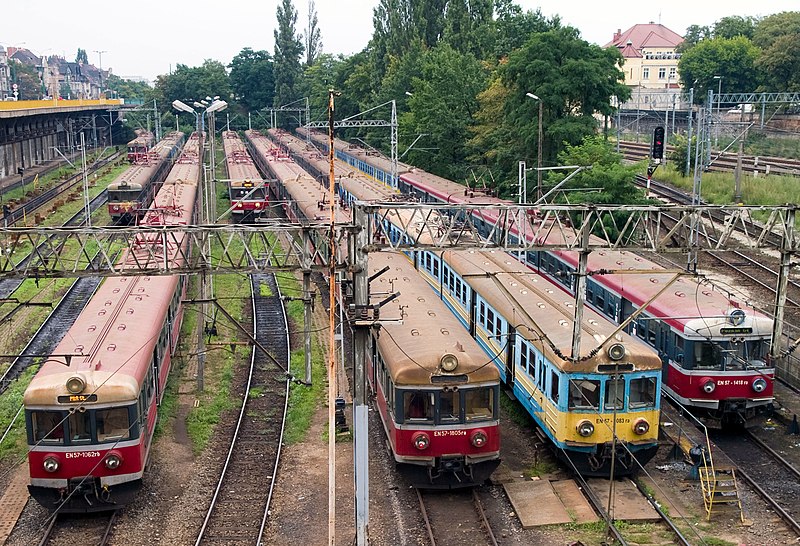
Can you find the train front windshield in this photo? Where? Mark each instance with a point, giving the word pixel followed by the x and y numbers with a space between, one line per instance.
pixel 464 405
pixel 729 355
pixel 82 427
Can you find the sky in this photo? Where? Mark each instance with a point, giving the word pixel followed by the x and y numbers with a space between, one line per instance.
pixel 146 38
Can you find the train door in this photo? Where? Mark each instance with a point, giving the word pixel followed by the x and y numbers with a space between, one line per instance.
pixel 511 358
pixel 627 310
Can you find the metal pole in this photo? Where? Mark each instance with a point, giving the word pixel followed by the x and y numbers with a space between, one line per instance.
pixel 787 247
pixel 110 130
pixel 737 173
pixel 638 100
pixel 332 334
pixel 539 155
pixel 580 288
pixel 360 408
pixel 88 212
pixel 619 128
pixel 689 115
pixel 249 122
pixel 393 139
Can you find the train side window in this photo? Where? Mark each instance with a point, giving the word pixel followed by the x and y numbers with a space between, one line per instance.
pixel 418 406
pixel 47 427
pixel 554 386
pixel 79 426
pixel 112 425
pixel 584 394
pixel 615 394
pixel 643 393
pixel 449 407
pixel 479 404
pixel 523 355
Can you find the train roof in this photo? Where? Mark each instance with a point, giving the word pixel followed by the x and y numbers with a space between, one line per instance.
pixel 536 307
pixel 418 329
pixel 369 156
pixel 187 167
pixel 135 176
pixel 239 164
pixel 143 139
pixel 682 303
pixel 116 332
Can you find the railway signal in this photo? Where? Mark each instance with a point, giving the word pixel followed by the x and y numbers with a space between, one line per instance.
pixel 657 152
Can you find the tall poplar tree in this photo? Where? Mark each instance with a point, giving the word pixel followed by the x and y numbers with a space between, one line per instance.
pixel 313 37
pixel 288 50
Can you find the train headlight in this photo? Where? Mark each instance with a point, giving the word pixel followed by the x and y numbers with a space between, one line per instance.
pixel 478 438
pixel 50 464
pixel 616 351
pixel 421 441
pixel 258 205
pixel 708 385
pixel 113 461
pixel 759 384
pixel 449 362
pixel 585 428
pixel 76 384
pixel 641 426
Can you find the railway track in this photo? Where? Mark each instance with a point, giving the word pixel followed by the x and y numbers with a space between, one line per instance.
pixel 84 529
pixel 455 518
pixel 771 476
pixel 39 201
pixel 239 509
pixel 722 161
pixel 53 329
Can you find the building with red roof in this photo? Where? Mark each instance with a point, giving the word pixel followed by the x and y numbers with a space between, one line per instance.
pixel 651 60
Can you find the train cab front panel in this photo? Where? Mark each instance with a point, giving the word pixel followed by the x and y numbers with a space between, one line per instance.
pixel 84 459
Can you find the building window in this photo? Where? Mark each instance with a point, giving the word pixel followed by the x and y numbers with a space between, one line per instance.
pixel 646 73
pixel 672 73
pixel 662 73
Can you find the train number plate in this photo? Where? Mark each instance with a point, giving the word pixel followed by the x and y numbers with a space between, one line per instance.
pixel 82 454
pixel 449 433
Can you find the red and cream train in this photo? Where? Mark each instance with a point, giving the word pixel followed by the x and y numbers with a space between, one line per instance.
pixel 92 407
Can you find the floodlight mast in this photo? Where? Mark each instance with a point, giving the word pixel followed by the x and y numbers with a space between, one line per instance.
pixel 182 106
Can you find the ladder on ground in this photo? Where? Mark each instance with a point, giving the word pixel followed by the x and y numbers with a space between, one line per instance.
pixel 719 488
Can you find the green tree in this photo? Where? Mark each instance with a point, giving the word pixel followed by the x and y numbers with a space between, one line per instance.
pixel 82 57
pixel 494 142
pixel 469 26
pixel 313 37
pixel 694 35
pixel 732 58
pixel 288 50
pixel 193 83
pixel 27 79
pixel 778 36
pixel 514 27
pixel 575 81
pixel 252 79
pixel 129 89
pixel 608 181
pixel 735 25
pixel 443 104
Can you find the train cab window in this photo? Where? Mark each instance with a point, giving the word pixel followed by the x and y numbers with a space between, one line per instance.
pixel 584 394
pixel 479 404
pixel 418 406
pixel 112 425
pixel 449 407
pixel 643 393
pixel 47 427
pixel 707 355
pixel 79 426
pixel 615 394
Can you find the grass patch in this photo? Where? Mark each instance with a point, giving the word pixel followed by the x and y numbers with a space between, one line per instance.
pixel 514 411
pixel 303 400
pixel 714 541
pixel 265 290
pixel 15 446
pixel 255 392
pixel 718 188
pixel 540 468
